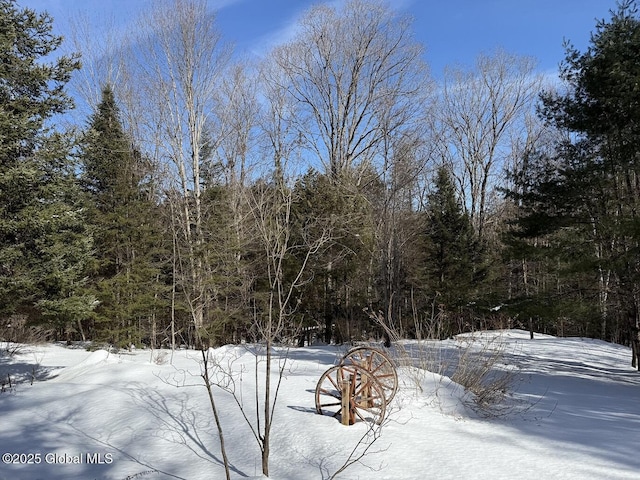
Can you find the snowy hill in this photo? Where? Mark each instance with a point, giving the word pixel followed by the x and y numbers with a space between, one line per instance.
pixel 572 412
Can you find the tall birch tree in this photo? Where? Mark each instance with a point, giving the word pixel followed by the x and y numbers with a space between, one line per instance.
pixel 182 63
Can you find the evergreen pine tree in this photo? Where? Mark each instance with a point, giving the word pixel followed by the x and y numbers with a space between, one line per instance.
pixel 587 192
pixel 451 251
pixel 43 243
pixel 340 274
pixel 123 217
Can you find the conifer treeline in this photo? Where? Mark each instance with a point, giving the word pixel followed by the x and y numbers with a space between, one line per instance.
pixel 304 208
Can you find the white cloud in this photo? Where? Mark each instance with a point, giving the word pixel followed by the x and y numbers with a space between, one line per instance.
pixel 222 4
pixel 291 26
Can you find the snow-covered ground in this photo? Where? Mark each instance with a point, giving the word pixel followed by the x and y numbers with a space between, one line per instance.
pixel 573 413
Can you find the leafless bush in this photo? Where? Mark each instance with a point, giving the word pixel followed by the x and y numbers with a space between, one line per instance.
pixel 160 357
pixel 480 368
pixel 363 453
pixel 475 362
pixel 9 349
pixel 15 333
pixel 361 450
pixel 6 384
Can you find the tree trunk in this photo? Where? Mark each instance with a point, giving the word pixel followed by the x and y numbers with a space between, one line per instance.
pixel 634 326
pixel 214 408
pixel 267 406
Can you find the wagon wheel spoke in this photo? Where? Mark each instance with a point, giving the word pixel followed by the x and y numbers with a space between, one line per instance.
pixel 382 367
pixel 333 382
pixel 376 414
pixel 368 401
pixel 328 395
pixel 369 394
pixel 378 364
pixel 330 409
pixel 331 393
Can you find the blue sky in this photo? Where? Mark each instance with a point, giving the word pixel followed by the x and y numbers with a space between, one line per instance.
pixel 452 31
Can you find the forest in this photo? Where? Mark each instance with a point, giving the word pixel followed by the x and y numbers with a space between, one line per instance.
pixel 333 191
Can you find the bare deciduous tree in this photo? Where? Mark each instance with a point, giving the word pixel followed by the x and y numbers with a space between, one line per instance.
pixel 271 207
pixel 355 77
pixel 103 60
pixel 480 109
pixel 280 121
pixel 353 71
pixel 182 62
pixel 229 171
pixel 235 121
pixel 397 229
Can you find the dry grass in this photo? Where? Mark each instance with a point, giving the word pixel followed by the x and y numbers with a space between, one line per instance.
pixel 482 370
pixel 15 333
pixel 478 363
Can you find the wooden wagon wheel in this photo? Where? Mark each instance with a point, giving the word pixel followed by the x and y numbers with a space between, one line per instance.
pixel 366 396
pixel 378 364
